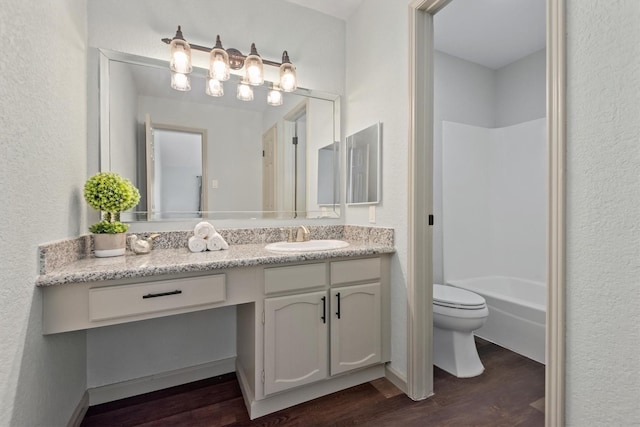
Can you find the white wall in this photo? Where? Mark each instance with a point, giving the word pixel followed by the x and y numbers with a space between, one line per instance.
pixel 376 79
pixel 43 98
pixel 603 210
pixel 176 342
pixel 315 43
pixel 123 126
pixel 494 201
pixel 233 138
pixel 520 90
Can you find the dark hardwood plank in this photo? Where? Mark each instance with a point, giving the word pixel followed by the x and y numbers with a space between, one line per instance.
pixel 508 393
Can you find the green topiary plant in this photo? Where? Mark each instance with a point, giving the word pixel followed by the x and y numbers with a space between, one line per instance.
pixel 110 194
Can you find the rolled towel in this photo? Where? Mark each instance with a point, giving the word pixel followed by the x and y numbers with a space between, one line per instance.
pixel 216 243
pixel 196 244
pixel 204 230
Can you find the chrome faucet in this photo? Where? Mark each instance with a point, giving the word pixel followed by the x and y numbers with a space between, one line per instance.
pixel 303 234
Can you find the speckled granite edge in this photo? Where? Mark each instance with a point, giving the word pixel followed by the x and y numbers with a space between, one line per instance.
pixel 179 261
pixel 55 255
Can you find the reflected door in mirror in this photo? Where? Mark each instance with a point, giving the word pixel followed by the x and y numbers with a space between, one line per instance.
pixel 176 175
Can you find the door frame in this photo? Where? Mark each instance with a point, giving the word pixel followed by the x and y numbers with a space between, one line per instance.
pixel 420 195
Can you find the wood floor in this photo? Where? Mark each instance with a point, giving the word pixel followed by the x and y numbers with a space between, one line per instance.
pixel 509 393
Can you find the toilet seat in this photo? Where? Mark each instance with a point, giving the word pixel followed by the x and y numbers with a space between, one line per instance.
pixel 452 297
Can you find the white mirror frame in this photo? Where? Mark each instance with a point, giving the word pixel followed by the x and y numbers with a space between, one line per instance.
pixel 419 383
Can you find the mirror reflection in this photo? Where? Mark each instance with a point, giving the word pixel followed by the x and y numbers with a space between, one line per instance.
pixel 363 166
pixel 242 159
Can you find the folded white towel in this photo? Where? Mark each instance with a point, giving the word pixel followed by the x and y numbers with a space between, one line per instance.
pixel 204 230
pixel 216 243
pixel 196 244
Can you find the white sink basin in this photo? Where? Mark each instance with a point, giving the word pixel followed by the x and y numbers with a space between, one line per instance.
pixel 311 245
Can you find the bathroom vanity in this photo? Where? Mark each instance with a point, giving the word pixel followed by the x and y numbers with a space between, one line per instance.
pixel 308 323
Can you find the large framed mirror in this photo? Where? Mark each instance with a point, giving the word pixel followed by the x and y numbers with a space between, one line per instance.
pixel 363 166
pixel 258 160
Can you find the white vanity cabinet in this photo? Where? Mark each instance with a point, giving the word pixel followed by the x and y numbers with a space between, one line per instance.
pixel 295 340
pixel 356 328
pixel 319 321
pixel 304 330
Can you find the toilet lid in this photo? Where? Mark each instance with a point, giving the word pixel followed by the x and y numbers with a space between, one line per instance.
pixel 450 296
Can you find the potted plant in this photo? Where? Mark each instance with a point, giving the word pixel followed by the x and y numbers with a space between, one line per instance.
pixel 110 194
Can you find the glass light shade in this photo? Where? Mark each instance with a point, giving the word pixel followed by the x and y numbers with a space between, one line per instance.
pixel 274 97
pixel 288 78
pixel 180 61
pixel 245 92
pixel 254 73
pixel 214 87
pixel 180 81
pixel 219 64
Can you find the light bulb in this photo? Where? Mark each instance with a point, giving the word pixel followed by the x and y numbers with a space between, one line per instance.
pixel 180 81
pixel 288 78
pixel 180 61
pixel 274 97
pixel 214 87
pixel 220 70
pixel 245 92
pixel 254 74
pixel 180 54
pixel 219 62
pixel 253 68
pixel 288 82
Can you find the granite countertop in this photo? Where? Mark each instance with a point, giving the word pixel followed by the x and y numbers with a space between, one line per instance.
pixel 181 260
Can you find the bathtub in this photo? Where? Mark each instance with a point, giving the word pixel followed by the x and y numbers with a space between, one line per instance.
pixel 517 313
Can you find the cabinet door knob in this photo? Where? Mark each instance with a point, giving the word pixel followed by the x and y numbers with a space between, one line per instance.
pixel 338 297
pixel 324 310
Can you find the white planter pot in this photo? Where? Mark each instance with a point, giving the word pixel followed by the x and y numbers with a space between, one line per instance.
pixel 108 245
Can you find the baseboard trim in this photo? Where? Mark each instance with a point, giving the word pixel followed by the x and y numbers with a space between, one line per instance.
pixel 396 378
pixel 80 411
pixel 134 387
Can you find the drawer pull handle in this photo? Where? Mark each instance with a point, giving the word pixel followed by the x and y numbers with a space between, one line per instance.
pixel 161 294
pixel 324 310
pixel 338 312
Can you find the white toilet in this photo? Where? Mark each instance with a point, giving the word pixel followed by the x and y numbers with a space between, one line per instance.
pixel 456 314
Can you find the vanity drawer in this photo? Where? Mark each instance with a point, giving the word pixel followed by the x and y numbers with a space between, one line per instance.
pixel 127 300
pixel 296 277
pixel 356 270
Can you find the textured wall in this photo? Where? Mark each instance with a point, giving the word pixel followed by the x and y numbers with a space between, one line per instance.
pixel 603 211
pixel 376 82
pixel 42 169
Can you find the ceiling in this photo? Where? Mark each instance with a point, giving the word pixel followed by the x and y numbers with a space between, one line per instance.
pixel 342 9
pixel 492 33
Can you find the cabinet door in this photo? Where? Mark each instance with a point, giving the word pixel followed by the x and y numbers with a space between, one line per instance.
pixel 295 340
pixel 356 339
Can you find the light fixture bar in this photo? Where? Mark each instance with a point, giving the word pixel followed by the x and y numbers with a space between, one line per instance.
pixel 233 54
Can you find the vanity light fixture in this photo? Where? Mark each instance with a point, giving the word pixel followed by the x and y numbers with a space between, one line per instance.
pixel 254 73
pixel 180 60
pixel 221 61
pixel 288 78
